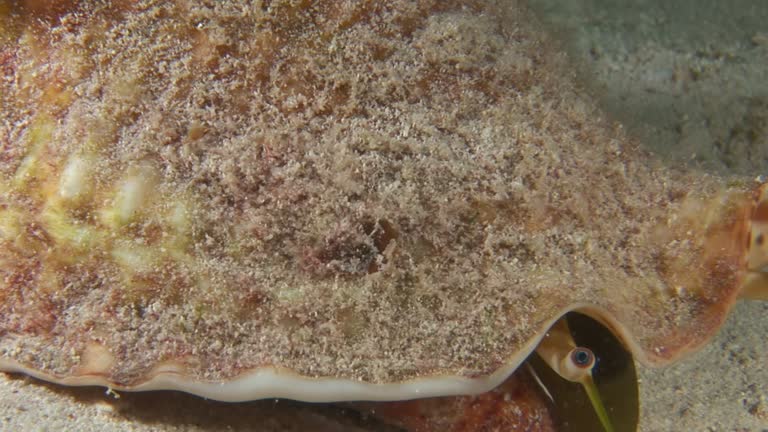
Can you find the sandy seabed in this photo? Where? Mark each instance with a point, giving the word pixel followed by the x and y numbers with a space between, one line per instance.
pixel 689 77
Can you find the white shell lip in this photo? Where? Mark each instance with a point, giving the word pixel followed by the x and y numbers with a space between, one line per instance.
pixel 272 382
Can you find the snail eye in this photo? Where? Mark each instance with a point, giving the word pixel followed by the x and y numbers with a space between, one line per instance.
pixel 582 357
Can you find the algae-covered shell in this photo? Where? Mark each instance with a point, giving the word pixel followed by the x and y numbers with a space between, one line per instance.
pixel 333 200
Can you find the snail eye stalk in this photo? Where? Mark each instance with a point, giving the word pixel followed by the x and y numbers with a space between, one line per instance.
pixel 573 363
pixel 582 358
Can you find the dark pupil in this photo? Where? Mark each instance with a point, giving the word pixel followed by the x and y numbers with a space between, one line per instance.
pixel 581 357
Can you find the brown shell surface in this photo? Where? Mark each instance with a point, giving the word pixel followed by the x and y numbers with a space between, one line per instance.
pixel 369 190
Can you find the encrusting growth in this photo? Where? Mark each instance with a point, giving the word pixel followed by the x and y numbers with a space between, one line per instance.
pixel 365 192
